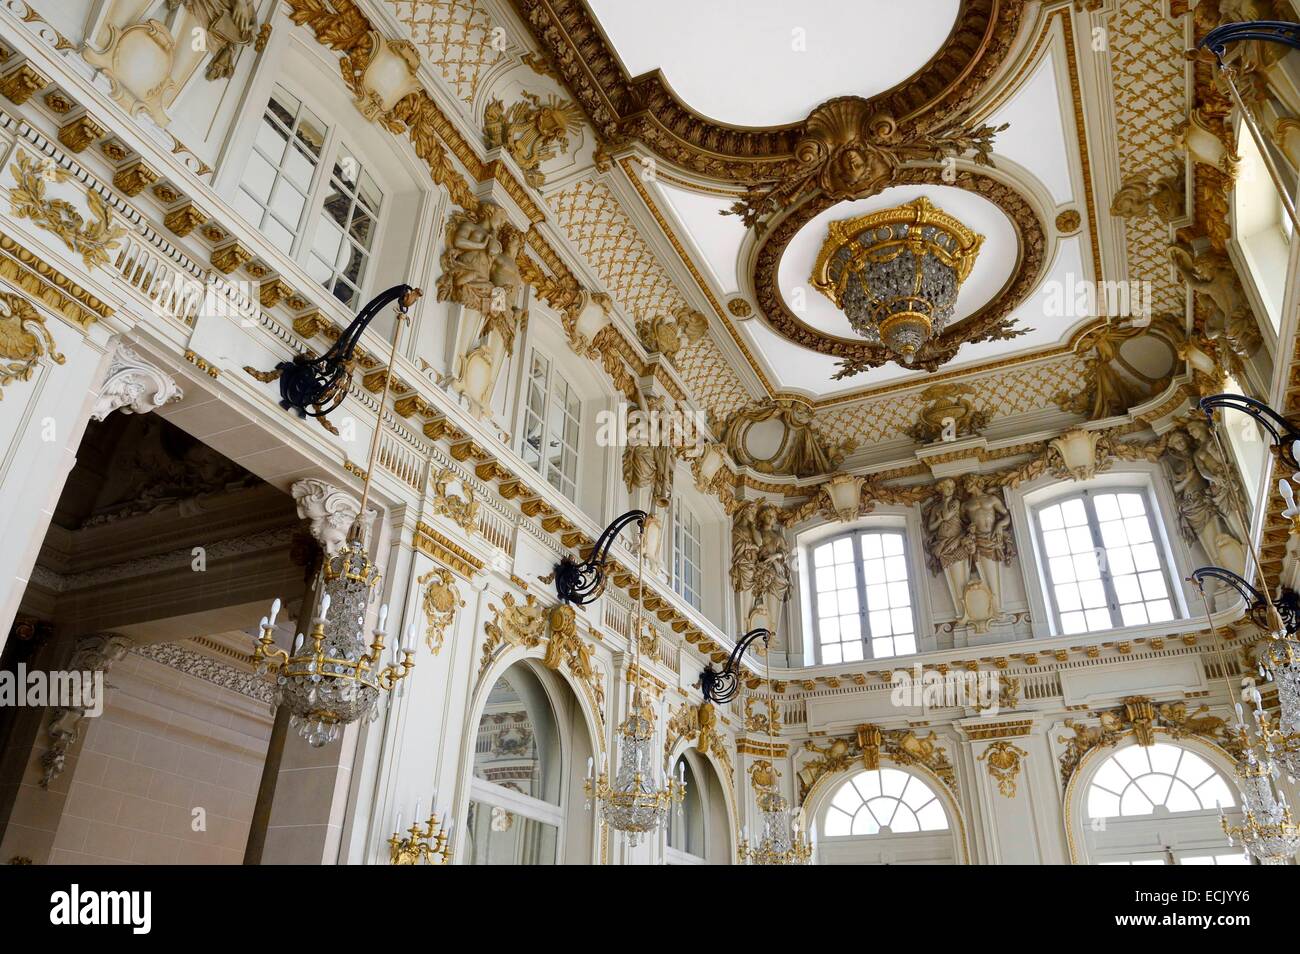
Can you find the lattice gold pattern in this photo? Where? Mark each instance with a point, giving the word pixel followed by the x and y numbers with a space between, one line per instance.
pixel 455 37
pixel 1150 92
pixel 1002 393
pixel 600 228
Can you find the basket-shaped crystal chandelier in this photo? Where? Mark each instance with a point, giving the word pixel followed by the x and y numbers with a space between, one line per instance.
pixel 896 273
pixel 1267 830
pixel 333 677
pixel 634 802
pixel 782 841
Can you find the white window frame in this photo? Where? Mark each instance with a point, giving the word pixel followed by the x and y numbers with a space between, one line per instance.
pixel 688 536
pixel 548 428
pixel 1167 566
pixel 855 534
pixel 302 244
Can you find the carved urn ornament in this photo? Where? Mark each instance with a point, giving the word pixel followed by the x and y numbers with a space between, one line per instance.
pixel 896 273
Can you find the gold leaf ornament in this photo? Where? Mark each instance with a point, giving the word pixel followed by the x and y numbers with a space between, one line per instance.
pixel 28 200
pixel 24 340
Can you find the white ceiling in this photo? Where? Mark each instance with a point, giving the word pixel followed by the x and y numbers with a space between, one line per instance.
pixel 1035 136
pixel 716 237
pixel 769 62
pixel 1038 150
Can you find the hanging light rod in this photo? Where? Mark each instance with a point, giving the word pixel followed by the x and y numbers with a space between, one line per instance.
pixel 1264 31
pixel 581 583
pixel 721 685
pixel 315 386
pixel 1283 432
pixel 1287 606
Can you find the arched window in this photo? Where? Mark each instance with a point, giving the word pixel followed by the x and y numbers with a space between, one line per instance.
pixel 1158 805
pixel 884 802
pixel 686 820
pixel 1156 779
pixel 514 815
pixel 861 598
pixel 1104 562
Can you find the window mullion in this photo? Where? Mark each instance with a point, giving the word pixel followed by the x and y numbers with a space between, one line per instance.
pixel 1102 556
pixel 864 631
pixel 816 620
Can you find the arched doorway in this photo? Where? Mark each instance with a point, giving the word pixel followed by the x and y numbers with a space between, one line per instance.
pixel 526 804
pixel 699 829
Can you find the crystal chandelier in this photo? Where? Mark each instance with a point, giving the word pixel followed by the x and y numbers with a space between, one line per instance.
pixel 896 273
pixel 782 841
pixel 1267 832
pixel 635 803
pixel 333 677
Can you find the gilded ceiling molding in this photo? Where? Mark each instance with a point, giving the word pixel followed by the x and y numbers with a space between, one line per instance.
pixel 948 414
pixel 1111 384
pixel 990 323
pixel 532 130
pixel 1142 719
pixel 623 109
pixel 24 340
pixel 804 451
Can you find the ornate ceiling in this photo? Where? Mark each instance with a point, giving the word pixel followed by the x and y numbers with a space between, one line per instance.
pixel 699 167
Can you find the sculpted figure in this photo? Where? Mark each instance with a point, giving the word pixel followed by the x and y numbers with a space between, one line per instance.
pixel 745 542
pixel 988 531
pixel 480 272
pixel 649 464
pixel 1203 490
pixel 1211 274
pixel 947 549
pixel 772 574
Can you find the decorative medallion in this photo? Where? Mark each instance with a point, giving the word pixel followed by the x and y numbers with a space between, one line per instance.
pixel 991 322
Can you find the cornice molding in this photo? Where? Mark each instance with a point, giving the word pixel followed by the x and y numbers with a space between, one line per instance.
pixel 645 108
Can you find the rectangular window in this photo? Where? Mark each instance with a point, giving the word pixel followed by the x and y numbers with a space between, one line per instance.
pixel 276 187
pixel 1104 565
pixel 686 554
pixel 862 600
pixel 552 417
pixel 340 246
